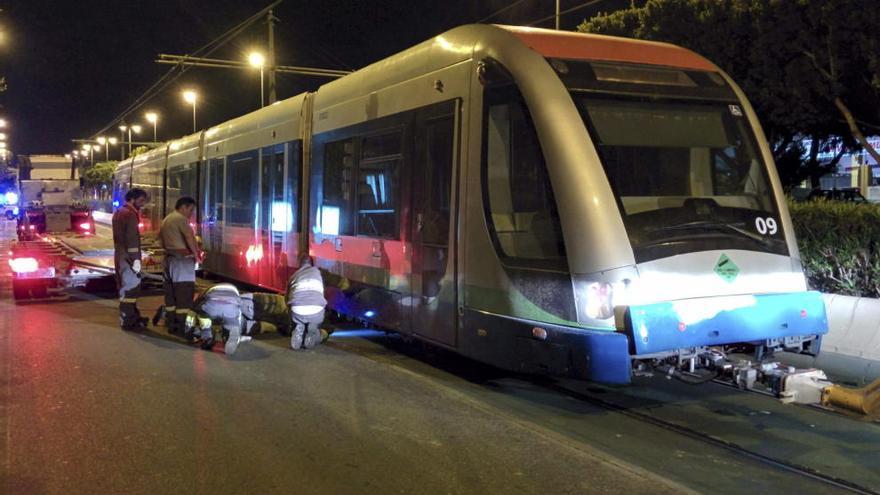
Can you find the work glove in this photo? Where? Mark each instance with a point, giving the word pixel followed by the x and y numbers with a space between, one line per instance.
pixel 136 266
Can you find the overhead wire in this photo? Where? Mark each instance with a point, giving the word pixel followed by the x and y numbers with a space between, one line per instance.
pixel 206 49
pixel 500 11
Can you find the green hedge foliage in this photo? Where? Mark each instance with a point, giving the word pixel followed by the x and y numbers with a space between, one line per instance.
pixel 840 245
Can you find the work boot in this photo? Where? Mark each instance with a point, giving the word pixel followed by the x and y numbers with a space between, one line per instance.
pixel 129 317
pixel 173 323
pixel 296 338
pixel 313 336
pixel 206 343
pixel 160 313
pixel 233 342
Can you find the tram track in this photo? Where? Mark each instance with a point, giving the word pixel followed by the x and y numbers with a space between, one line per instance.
pixel 529 400
pixel 794 468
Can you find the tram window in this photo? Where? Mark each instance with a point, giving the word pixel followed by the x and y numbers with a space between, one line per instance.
pixel 272 190
pixel 181 182
pixel 377 198
pixel 337 202
pixel 522 212
pixel 241 188
pixel 148 177
pixel 381 145
pixel 439 147
pixel 213 206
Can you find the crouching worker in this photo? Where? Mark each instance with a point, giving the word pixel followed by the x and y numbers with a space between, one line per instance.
pixel 305 296
pixel 221 303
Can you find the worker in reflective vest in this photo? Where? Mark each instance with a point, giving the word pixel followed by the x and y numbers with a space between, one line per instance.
pixel 221 303
pixel 181 255
pixel 127 258
pixel 305 296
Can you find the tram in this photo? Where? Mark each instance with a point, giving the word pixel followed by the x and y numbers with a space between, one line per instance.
pixel 543 201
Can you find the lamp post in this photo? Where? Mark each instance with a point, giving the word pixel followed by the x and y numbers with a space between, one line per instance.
pixel 103 142
pixel 557 15
pixel 256 59
pixel 190 97
pixel 122 130
pixel 137 130
pixel 153 117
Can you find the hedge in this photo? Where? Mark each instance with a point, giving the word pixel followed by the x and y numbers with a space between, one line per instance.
pixel 840 245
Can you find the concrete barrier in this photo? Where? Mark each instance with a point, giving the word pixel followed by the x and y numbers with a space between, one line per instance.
pixel 851 349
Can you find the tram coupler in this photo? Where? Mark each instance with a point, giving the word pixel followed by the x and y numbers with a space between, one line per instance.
pixel 796 385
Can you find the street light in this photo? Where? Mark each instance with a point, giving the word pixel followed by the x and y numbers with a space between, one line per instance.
pixel 153 117
pixel 2 123
pixel 257 59
pixel 2 136
pixel 190 97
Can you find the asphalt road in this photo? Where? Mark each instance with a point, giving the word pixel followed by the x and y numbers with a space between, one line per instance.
pixel 88 408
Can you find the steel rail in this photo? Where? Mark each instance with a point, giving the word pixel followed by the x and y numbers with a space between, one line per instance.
pixel 798 469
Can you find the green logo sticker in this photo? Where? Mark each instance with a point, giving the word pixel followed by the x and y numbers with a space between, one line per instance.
pixel 726 268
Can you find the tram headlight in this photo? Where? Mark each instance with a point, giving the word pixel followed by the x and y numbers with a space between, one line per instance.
pixel 599 300
pixel 596 299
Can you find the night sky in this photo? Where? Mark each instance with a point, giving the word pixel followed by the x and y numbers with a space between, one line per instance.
pixel 72 67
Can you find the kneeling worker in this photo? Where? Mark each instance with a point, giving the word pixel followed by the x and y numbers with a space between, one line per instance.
pixel 220 303
pixel 305 296
pixel 181 255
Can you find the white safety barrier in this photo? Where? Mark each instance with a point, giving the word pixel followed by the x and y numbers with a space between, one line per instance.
pixel 851 349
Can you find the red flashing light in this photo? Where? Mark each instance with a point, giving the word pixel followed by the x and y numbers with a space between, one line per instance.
pixel 24 265
pixel 140 225
pixel 32 227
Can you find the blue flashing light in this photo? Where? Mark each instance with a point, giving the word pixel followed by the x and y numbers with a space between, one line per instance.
pixel 116 203
pixel 15 210
pixel 369 314
pixel 11 198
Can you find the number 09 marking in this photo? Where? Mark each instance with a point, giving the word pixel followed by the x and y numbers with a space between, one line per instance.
pixel 766 225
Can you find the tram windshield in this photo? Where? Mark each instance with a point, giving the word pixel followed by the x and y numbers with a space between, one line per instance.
pixel 683 163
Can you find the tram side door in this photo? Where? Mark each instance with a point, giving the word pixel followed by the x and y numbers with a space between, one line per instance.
pixel 434 298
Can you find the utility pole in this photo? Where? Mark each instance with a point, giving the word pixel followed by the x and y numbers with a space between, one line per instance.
pixel 270 21
pixel 557 15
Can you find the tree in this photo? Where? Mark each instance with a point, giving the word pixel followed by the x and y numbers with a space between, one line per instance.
pixel 99 177
pixel 139 150
pixel 805 64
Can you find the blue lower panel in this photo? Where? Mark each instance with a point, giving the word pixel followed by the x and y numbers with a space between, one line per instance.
pixel 668 326
pixel 508 343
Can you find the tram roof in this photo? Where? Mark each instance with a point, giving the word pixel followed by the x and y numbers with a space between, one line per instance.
pixel 458 44
pixel 571 45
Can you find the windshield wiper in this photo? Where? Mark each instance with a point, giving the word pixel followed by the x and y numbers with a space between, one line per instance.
pixel 705 224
